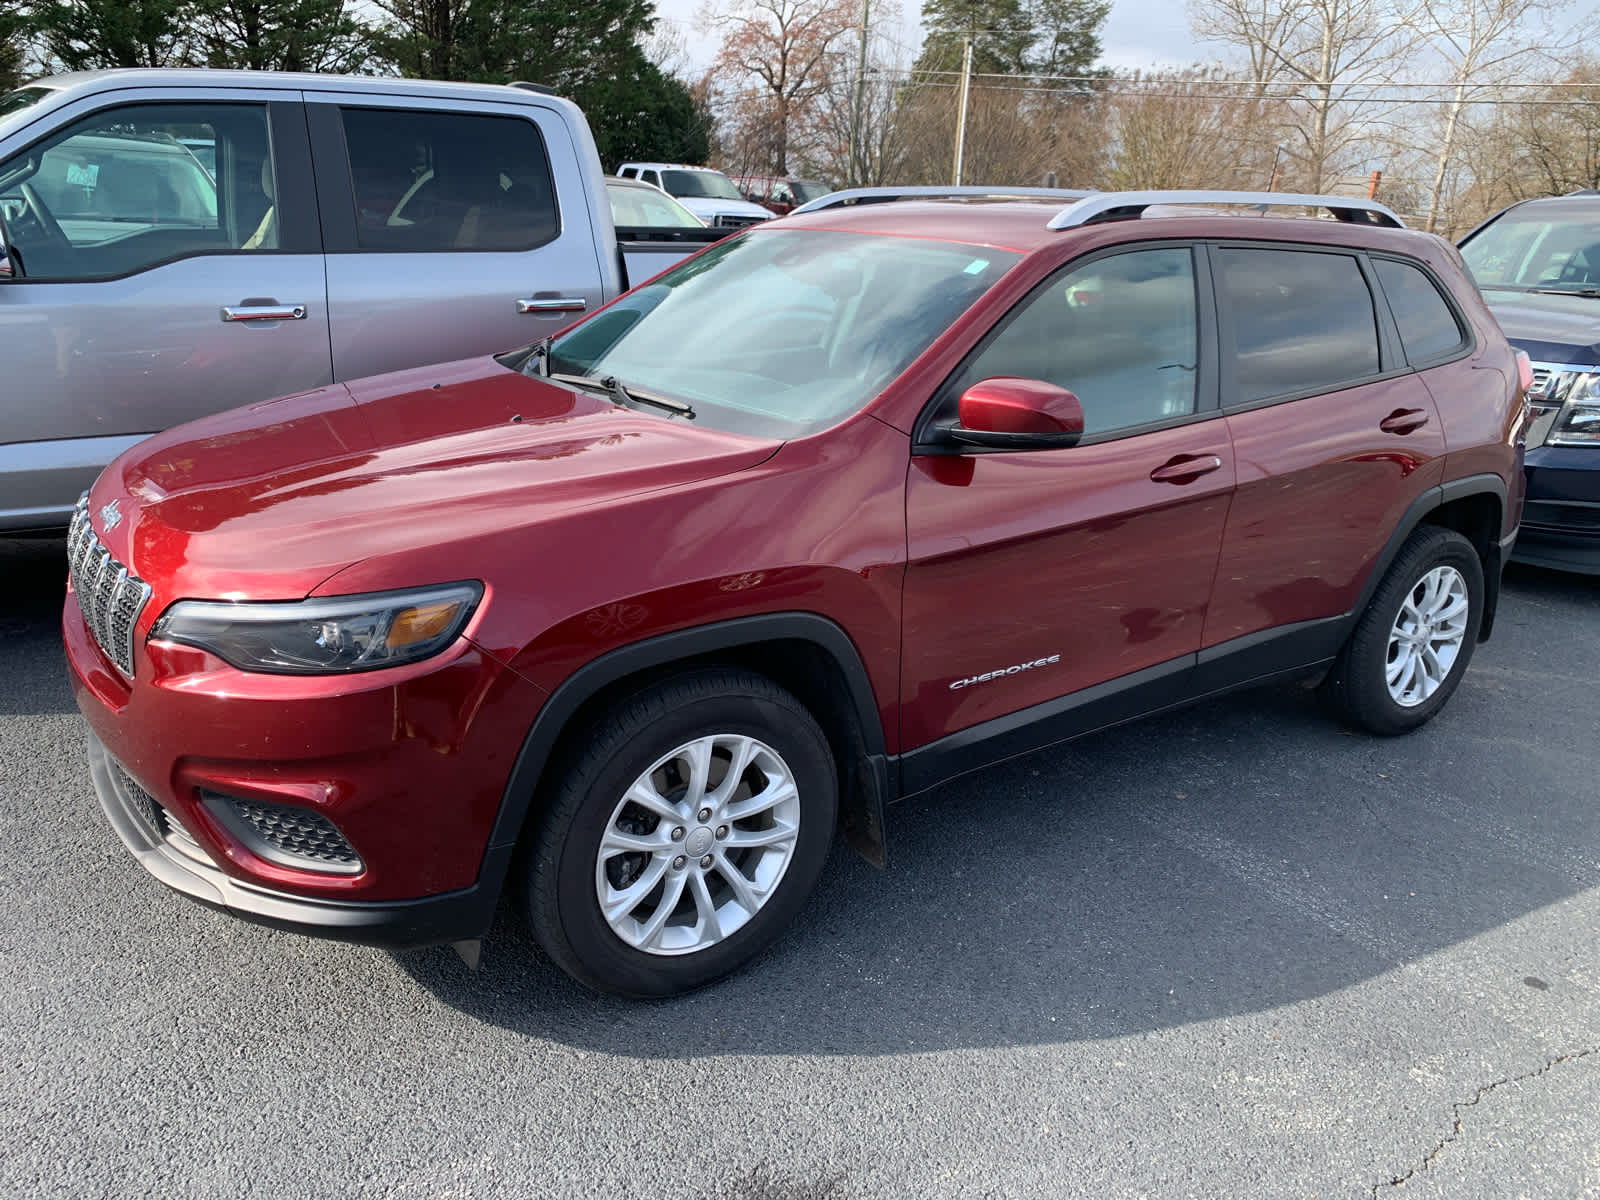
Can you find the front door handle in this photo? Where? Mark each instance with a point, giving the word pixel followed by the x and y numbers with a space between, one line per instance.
pixel 1404 420
pixel 549 305
pixel 1185 468
pixel 256 310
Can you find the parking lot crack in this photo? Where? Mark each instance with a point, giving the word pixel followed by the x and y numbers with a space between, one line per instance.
pixel 1460 1107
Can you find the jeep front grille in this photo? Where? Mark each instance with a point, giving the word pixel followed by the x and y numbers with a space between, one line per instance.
pixel 109 595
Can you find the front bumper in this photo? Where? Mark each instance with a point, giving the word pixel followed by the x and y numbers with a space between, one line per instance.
pixel 167 851
pixel 406 766
pixel 1561 514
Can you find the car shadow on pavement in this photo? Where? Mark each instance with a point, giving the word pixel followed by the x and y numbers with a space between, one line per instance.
pixel 1232 857
pixel 33 674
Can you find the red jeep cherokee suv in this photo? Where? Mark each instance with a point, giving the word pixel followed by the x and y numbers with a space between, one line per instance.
pixel 632 619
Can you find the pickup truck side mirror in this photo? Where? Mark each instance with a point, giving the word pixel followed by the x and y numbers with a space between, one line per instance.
pixel 1009 413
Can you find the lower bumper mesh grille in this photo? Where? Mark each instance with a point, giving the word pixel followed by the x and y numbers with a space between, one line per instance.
pixel 159 819
pixel 285 834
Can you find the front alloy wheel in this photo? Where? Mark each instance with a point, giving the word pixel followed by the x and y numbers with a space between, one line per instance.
pixel 683 832
pixel 698 844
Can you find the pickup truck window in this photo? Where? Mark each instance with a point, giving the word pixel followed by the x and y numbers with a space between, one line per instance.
pixel 783 333
pixel 439 181
pixel 708 185
pixel 122 191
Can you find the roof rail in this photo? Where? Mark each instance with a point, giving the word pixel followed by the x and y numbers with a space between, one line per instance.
pixel 884 195
pixel 1115 206
pixel 535 87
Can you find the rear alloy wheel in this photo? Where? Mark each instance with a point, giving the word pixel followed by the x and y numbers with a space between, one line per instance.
pixel 1413 642
pixel 684 836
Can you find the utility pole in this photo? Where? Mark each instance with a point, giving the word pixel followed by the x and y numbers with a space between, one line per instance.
pixel 961 117
pixel 857 172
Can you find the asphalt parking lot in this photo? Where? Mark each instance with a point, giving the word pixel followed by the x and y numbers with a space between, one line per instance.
pixel 1235 950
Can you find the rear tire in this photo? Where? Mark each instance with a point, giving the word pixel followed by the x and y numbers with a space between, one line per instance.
pixel 1413 643
pixel 656 868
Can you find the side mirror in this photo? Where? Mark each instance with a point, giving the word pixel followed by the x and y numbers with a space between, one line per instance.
pixel 1017 414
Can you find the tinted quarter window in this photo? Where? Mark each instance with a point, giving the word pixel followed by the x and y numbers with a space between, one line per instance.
pixel 436 181
pixel 1427 326
pixel 1302 322
pixel 1119 332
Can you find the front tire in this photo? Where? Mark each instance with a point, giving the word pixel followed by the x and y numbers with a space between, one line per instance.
pixel 683 836
pixel 1416 637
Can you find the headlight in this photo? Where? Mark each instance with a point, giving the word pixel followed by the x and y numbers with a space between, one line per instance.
pixel 1579 422
pixel 324 636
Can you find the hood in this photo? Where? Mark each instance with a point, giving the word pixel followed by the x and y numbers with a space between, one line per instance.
pixel 271 500
pixel 1552 329
pixel 707 207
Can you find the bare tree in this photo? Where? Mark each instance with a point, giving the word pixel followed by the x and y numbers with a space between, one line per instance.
pixel 1319 52
pixel 1185 130
pixel 1015 133
pixel 783 51
pixel 1480 41
pixel 859 141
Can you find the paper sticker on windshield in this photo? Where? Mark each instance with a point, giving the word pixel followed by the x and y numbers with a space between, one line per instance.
pixel 86 175
pixel 977 266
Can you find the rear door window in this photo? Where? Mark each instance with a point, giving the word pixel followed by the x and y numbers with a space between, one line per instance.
pixel 432 181
pixel 1428 327
pixel 1301 321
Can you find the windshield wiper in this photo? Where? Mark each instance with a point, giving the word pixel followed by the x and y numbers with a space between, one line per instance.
pixel 519 360
pixel 1589 293
pixel 611 386
pixel 539 356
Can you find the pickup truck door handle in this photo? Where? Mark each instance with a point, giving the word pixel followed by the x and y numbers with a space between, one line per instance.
pixel 542 305
pixel 1185 468
pixel 257 310
pixel 1404 420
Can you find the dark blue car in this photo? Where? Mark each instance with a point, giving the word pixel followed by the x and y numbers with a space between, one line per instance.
pixel 1538 264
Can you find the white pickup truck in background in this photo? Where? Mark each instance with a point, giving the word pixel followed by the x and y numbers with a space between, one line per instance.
pixel 177 242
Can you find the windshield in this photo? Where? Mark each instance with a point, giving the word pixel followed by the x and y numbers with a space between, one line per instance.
pixel 1558 251
pixel 710 185
pixel 643 205
pixel 806 191
pixel 782 333
pixel 17 101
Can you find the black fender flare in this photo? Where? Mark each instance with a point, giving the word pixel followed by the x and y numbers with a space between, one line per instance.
pixel 1416 513
pixel 866 783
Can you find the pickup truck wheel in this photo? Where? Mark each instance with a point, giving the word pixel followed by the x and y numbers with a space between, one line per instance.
pixel 1412 645
pixel 683 836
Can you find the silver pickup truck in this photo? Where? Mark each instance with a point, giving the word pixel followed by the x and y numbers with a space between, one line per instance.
pixel 173 243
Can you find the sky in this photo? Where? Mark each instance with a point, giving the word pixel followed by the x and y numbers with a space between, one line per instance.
pixel 1139 33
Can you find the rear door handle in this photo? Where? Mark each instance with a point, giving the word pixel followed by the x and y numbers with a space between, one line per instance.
pixel 259 311
pixel 1185 468
pixel 542 305
pixel 1404 420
